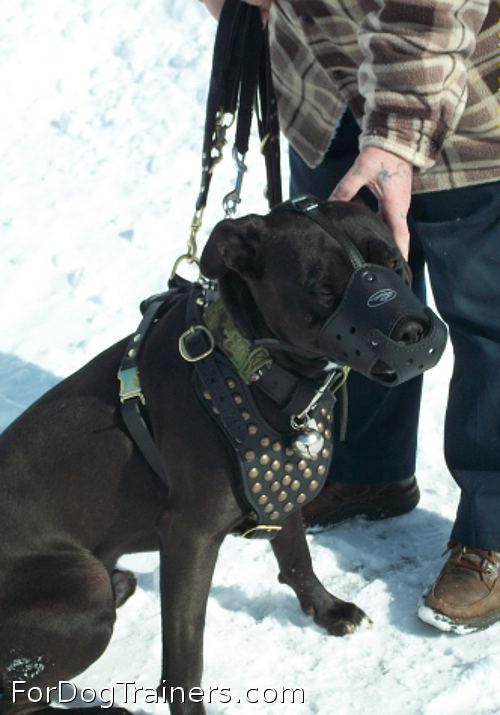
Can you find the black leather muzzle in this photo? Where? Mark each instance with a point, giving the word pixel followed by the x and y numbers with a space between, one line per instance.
pixel 380 329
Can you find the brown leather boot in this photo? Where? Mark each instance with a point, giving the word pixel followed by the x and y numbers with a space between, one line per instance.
pixel 338 501
pixel 466 594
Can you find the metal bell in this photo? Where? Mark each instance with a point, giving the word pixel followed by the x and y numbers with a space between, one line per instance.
pixel 309 443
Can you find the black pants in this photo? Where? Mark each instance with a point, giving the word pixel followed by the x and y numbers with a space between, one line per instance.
pixel 457 233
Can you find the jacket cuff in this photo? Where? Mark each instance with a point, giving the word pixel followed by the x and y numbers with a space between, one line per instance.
pixel 415 140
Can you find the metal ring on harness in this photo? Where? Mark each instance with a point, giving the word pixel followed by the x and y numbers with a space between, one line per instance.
pixel 192 331
pixel 267 528
pixel 188 257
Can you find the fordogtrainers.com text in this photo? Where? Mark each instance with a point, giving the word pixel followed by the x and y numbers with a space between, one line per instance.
pixel 129 693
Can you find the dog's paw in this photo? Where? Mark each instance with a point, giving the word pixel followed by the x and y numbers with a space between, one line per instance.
pixel 124 585
pixel 341 619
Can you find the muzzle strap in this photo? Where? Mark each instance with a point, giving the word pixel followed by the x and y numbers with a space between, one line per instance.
pixel 309 207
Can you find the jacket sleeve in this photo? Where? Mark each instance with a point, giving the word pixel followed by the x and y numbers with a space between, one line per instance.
pixel 414 75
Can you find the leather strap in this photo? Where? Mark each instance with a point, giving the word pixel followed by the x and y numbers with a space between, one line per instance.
pixel 131 396
pixel 308 206
pixel 290 393
pixel 269 128
pixel 131 411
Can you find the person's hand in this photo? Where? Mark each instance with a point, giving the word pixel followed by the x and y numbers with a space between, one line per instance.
pixel 215 7
pixel 389 178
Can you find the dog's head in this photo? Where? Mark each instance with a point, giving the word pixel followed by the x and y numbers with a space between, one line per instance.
pixel 282 275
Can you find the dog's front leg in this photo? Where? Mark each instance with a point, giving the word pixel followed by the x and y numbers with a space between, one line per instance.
pixel 188 556
pixel 294 559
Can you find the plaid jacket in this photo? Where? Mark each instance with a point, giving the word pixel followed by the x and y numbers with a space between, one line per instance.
pixel 420 76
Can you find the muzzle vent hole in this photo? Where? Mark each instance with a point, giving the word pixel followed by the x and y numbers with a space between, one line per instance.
pixel 346 355
pixel 358 353
pixel 352 330
pixel 410 361
pixel 339 336
pixel 420 367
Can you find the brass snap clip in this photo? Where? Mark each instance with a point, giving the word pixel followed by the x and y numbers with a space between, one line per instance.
pixel 192 331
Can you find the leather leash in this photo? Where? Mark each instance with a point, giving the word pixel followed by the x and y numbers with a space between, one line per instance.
pixel 241 65
pixel 240 81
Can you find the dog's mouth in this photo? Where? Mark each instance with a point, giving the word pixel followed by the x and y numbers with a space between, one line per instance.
pixel 406 332
pixel 383 373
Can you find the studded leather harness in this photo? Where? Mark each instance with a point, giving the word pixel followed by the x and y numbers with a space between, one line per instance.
pixel 273 479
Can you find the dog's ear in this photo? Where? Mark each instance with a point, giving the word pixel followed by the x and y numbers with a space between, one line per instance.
pixel 234 245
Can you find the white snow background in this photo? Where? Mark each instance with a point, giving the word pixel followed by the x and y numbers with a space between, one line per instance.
pixel 102 110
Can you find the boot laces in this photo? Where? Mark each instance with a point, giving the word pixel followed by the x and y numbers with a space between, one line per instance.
pixel 486 563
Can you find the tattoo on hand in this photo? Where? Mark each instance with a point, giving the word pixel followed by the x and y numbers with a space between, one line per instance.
pixel 384 174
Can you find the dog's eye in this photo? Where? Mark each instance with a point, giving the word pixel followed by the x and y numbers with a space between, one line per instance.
pixel 323 296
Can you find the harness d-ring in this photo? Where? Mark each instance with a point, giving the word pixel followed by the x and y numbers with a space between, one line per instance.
pixel 188 257
pixel 192 331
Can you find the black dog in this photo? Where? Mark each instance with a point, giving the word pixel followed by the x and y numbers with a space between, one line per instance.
pixel 76 493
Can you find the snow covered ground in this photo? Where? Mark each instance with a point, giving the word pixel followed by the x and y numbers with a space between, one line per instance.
pixel 101 125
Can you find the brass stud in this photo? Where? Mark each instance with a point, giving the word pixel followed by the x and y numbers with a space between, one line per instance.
pixel 262 499
pixel 288 467
pixel 308 473
pixel 329 417
pixel 321 427
pixel 238 398
pixel 265 459
pixel 249 455
pixel 215 411
pixel 265 442
pixel 252 429
pixel 325 453
pixel 268 507
pixel 328 434
pixel 275 465
pixel 288 507
pixel 274 515
pixel 323 411
pixel 256 488
pixel 301 498
pixel 286 480
pixel 295 485
pixel 231 384
pixel 277 446
pixel 253 473
pixel 268 475
pixel 246 415
pixel 313 485
pixel 289 452
pixel 275 486
pixel 207 395
pixel 302 465
pixel 321 470
pixel 282 496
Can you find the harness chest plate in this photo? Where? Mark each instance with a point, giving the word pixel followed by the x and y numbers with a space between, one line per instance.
pixel 274 481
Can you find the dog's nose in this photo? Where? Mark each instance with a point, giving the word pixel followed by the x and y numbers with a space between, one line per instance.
pixel 408 331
